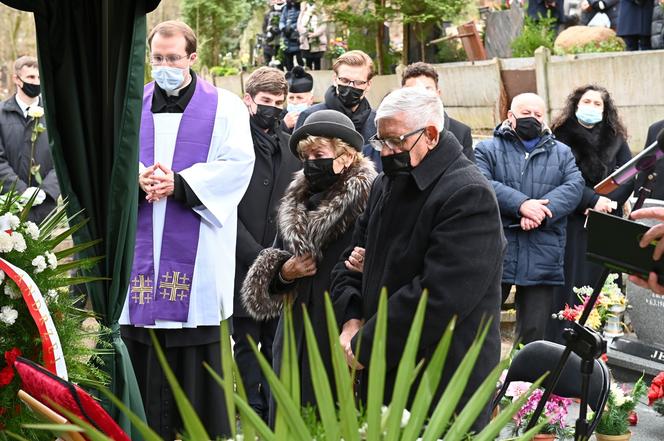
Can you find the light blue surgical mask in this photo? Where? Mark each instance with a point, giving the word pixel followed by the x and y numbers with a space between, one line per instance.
pixel 588 115
pixel 167 77
pixel 297 108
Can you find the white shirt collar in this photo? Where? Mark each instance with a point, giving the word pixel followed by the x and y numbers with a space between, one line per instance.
pixel 24 106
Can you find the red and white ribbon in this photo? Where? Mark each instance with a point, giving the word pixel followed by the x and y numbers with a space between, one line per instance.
pixel 54 359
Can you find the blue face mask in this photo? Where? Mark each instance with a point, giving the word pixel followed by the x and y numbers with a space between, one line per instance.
pixel 297 108
pixel 588 115
pixel 168 78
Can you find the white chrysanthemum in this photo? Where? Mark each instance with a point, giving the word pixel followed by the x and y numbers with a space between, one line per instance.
pixel 6 242
pixel 8 315
pixel 12 292
pixel 39 263
pixel 52 260
pixel 19 242
pixel 618 395
pixel 32 229
pixel 14 221
pixel 52 293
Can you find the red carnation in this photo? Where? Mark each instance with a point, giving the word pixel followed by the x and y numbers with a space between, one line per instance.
pixel 656 390
pixel 12 355
pixel 633 418
pixel 6 375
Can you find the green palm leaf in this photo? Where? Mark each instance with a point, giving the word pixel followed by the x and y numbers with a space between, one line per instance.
pixel 321 383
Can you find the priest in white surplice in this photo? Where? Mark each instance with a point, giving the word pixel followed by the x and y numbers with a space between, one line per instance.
pixel 196 160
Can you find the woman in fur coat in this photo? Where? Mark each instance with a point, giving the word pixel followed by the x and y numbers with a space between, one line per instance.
pixel 589 124
pixel 315 224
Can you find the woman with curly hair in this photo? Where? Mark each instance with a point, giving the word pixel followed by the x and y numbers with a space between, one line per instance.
pixel 589 124
pixel 315 224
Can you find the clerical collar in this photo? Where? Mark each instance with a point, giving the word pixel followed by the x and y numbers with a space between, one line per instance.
pixel 164 103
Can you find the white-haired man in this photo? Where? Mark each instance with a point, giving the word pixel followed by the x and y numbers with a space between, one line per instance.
pixel 432 223
pixel 537 184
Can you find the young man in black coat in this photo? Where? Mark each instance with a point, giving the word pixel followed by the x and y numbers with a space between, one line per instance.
pixel 351 81
pixel 18 116
pixel 266 90
pixel 432 222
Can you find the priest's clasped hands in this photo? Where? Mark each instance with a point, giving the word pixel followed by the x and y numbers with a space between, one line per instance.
pixel 157 181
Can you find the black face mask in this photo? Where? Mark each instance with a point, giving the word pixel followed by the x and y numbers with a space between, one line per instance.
pixel 266 116
pixel 395 164
pixel 320 174
pixel 528 128
pixel 349 96
pixel 31 90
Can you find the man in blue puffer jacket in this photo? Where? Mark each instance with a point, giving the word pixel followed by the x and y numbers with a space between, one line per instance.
pixel 537 184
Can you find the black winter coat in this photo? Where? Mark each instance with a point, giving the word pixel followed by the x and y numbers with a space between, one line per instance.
pixel 15 148
pixel 635 17
pixel 611 8
pixel 658 190
pixel 323 231
pixel 598 152
pixel 257 212
pixel 436 228
pixel 540 8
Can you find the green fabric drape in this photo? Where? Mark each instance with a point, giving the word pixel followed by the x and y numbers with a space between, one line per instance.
pixel 92 56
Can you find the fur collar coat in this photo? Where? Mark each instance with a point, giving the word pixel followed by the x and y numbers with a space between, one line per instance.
pixel 595 150
pixel 303 230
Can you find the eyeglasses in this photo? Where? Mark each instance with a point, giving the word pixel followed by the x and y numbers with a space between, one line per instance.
pixel 355 83
pixel 379 144
pixel 168 59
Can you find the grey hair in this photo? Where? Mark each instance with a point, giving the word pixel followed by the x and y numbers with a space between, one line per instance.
pixel 418 106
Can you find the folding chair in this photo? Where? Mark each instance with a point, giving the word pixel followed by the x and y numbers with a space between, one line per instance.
pixel 539 357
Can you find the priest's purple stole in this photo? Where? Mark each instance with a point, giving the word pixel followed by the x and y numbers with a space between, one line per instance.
pixel 166 296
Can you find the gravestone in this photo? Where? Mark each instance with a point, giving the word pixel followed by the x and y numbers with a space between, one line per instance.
pixel 502 27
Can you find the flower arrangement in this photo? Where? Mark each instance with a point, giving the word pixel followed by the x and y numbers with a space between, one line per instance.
pixel 555 410
pixel 36 113
pixel 610 301
pixel 656 393
pixel 616 417
pixel 39 251
pixel 337 47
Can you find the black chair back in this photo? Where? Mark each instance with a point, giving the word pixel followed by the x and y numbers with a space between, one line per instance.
pixel 539 357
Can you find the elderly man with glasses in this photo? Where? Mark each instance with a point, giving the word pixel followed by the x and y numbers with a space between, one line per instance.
pixel 351 81
pixel 432 223
pixel 195 162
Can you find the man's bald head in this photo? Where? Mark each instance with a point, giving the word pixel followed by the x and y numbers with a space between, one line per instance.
pixel 526 105
pixel 528 99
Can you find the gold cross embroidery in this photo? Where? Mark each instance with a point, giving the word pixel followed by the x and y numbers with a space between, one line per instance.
pixel 177 288
pixel 141 289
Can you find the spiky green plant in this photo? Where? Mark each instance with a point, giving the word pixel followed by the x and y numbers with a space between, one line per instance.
pixel 334 421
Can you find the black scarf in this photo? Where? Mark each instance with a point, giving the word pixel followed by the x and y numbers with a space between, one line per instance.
pixel 266 146
pixel 358 117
